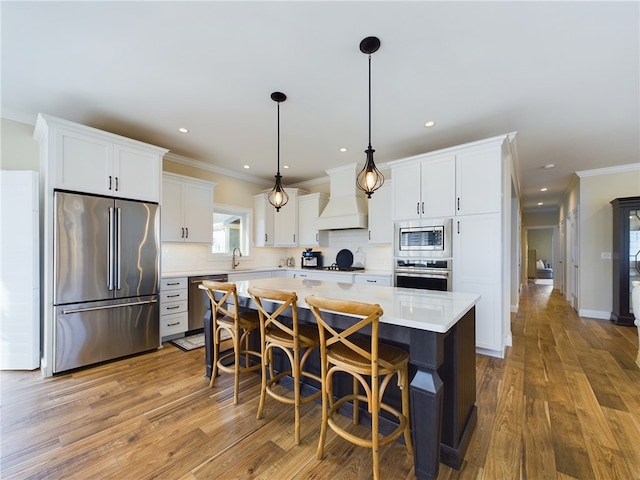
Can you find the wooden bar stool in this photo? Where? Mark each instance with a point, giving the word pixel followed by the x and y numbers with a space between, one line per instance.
pixel 360 357
pixel 297 341
pixel 239 327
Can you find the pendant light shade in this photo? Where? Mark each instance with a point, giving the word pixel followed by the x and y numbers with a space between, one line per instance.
pixel 370 178
pixel 277 196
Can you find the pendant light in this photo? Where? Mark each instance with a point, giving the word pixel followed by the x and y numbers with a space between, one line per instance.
pixel 369 179
pixel 277 196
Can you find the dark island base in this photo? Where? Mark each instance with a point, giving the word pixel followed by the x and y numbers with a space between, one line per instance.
pixel 442 396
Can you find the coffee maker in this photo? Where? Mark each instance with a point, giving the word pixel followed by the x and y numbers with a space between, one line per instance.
pixel 311 259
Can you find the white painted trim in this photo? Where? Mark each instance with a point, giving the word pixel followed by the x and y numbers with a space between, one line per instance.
pixel 212 168
pixel 608 170
pixel 600 315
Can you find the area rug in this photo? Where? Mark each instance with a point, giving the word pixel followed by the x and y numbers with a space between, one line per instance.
pixel 189 343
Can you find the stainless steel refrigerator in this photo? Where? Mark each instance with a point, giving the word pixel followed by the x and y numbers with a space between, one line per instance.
pixel 106 270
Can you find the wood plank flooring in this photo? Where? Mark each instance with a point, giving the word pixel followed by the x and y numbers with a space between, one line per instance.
pixel 564 403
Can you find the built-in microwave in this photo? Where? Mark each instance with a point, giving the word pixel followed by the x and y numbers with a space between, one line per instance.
pixel 427 239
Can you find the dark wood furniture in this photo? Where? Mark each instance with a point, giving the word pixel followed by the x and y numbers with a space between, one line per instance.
pixel 625 256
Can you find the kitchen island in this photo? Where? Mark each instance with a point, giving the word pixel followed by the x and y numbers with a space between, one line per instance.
pixel 438 330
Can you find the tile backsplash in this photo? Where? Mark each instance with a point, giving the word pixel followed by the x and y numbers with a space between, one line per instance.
pixel 178 257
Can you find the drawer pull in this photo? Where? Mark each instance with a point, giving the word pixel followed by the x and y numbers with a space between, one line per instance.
pixel 172 308
pixel 175 295
pixel 173 324
pixel 173 283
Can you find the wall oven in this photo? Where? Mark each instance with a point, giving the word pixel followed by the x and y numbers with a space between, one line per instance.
pixel 423 239
pixel 424 274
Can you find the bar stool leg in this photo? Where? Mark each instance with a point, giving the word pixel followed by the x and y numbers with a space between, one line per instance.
pixel 216 355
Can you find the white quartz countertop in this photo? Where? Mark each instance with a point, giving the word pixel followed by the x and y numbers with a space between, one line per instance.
pixel 421 309
pixel 197 273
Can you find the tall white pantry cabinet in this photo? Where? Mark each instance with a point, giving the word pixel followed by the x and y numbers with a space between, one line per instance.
pixel 19 271
pixel 471 184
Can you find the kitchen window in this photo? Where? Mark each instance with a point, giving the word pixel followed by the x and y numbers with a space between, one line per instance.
pixel 231 229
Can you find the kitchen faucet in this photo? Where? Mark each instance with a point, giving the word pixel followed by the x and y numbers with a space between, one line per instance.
pixel 234 264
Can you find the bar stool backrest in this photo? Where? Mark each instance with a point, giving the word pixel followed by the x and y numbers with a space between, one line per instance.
pixel 219 306
pixel 365 314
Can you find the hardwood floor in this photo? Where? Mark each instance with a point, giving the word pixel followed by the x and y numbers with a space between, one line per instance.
pixel 564 403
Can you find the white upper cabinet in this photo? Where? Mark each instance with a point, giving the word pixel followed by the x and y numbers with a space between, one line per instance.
pixel 479 181
pixel 262 221
pixel 271 228
pixel 380 223
pixel 187 209
pixel 309 209
pixel 424 188
pixel 87 160
pixel 285 221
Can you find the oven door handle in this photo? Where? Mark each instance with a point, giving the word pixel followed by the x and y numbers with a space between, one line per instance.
pixel 445 275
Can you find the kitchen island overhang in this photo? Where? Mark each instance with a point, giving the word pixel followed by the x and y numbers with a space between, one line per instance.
pixel 438 329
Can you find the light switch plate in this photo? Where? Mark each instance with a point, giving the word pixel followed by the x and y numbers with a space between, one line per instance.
pixel 605 255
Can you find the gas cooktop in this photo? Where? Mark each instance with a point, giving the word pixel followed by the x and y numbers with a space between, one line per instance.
pixel 341 269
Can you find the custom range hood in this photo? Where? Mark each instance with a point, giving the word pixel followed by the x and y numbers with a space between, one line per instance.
pixel 347 207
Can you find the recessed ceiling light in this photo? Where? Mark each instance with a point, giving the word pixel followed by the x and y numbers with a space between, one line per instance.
pixel 543 189
pixel 549 165
pixel 183 130
pixel 430 123
pixel 285 166
pixel 246 166
pixel 540 203
pixel 343 149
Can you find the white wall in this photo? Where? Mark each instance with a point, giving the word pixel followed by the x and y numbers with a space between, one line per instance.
pixel 19 150
pixel 597 188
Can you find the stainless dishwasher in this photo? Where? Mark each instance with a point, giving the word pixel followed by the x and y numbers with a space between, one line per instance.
pixel 199 303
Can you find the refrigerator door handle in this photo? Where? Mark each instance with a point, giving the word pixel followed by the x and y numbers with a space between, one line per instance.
pixel 118 247
pixel 111 252
pixel 90 309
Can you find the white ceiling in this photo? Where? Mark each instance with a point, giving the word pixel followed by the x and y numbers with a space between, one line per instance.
pixel 564 75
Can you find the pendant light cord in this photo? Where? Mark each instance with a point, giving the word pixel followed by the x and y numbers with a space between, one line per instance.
pixel 369 101
pixel 278 138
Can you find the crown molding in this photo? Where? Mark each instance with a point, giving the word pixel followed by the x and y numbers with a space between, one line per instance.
pixel 608 170
pixel 213 168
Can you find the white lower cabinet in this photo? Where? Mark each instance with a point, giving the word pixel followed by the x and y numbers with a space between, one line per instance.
pixel 383 280
pixel 174 306
pixel 240 276
pixel 324 276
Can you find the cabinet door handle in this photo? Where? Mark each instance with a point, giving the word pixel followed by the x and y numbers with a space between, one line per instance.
pixel 294 238
pixel 458 201
pixel 265 237
pixel 116 184
pixel 109 182
pixel 173 283
pixel 317 237
pixel 182 236
pixel 171 296
pixel 173 324
pixel 418 208
pixel 172 308
pixel 187 230
pixel 369 234
pixel 423 207
pixel 458 226
pixel 372 281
